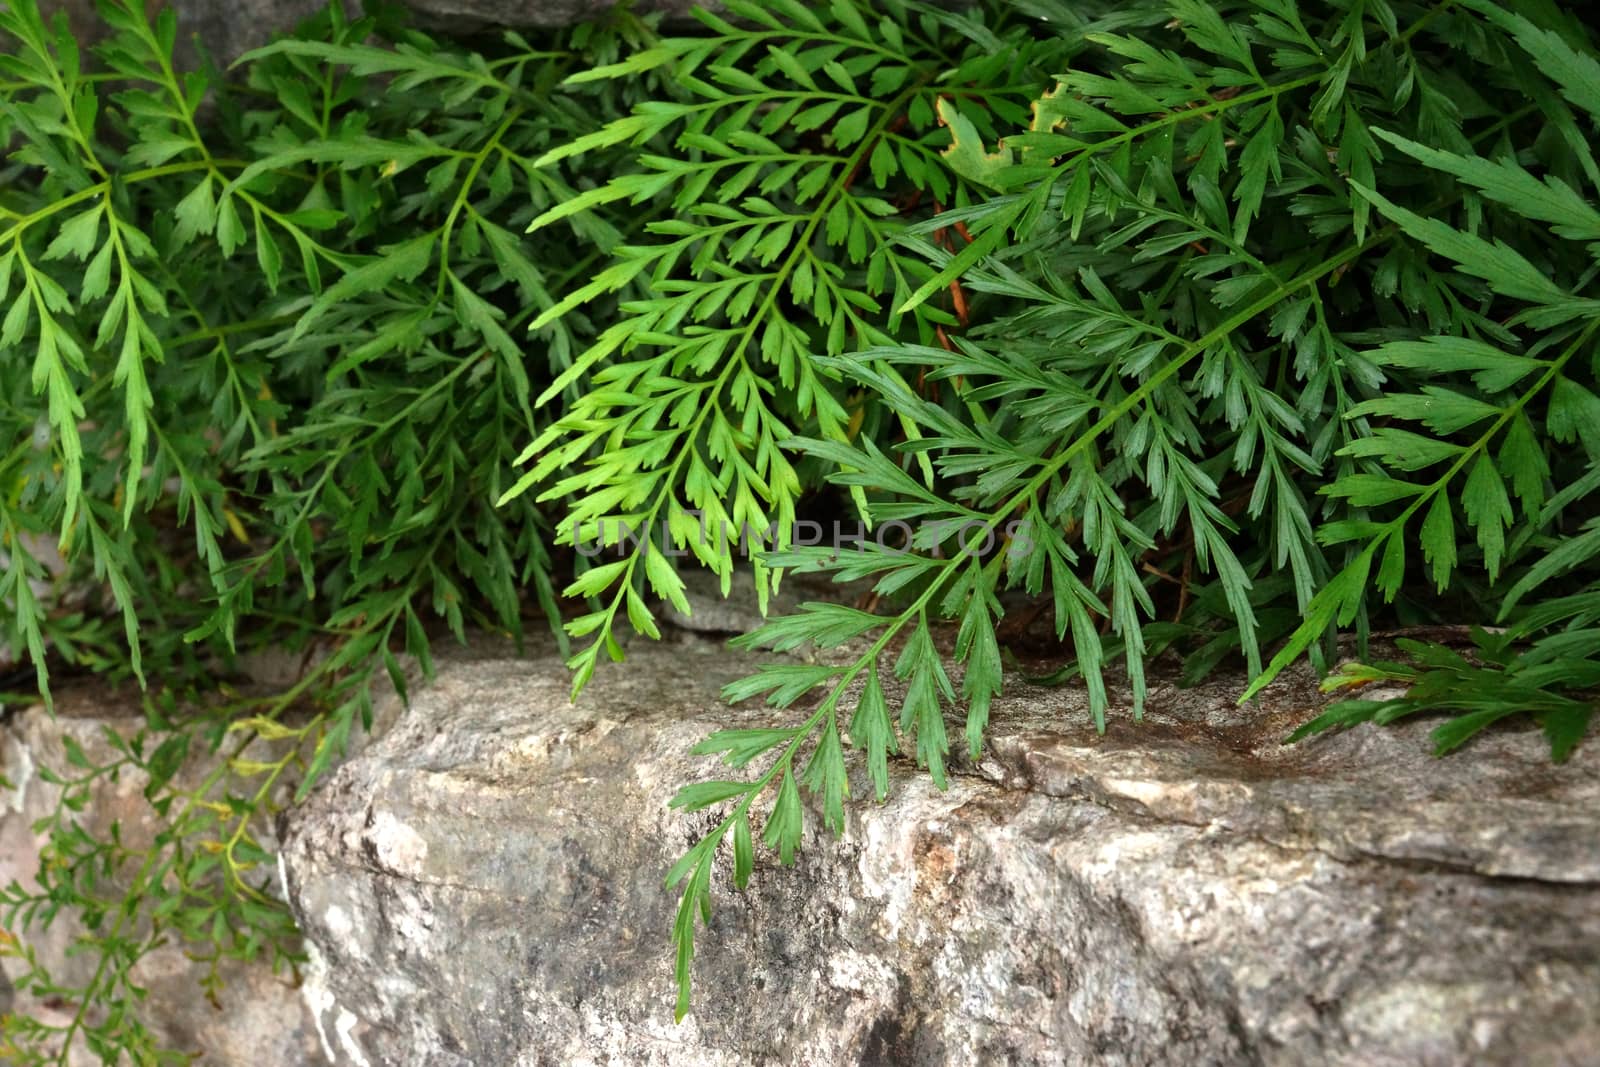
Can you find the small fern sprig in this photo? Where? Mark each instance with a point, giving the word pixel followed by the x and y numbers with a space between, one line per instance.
pixel 278 397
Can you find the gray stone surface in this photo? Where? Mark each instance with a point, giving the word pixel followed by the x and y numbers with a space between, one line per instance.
pixel 739 612
pixel 529 12
pixel 483 886
pixel 230 28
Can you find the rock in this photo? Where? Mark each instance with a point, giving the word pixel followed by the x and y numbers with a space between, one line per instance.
pixel 229 28
pixel 260 1019
pixel 540 13
pixel 483 886
pixel 739 612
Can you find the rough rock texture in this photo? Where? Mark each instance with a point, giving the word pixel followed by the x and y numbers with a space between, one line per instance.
pixel 529 12
pixel 739 612
pixel 483 886
pixel 261 1019
pixel 230 28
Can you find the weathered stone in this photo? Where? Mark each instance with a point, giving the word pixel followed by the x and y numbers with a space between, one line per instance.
pixel 483 886
pixel 544 13
pixel 229 28
pixel 739 610
pixel 259 1019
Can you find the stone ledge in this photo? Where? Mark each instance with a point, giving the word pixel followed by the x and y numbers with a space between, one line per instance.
pixel 482 886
